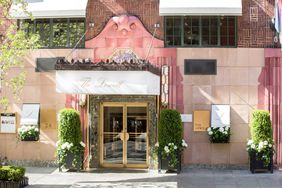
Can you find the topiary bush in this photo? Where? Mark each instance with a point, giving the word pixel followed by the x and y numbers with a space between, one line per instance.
pixel 261 128
pixel 70 146
pixel 170 130
pixel 11 173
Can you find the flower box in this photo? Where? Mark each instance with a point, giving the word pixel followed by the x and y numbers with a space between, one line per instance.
pixel 28 133
pixel 30 138
pixel 256 164
pixel 14 184
pixel 219 135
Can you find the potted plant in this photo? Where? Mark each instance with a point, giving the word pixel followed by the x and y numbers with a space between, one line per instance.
pixel 260 146
pixel 28 133
pixel 170 143
pixel 70 147
pixel 12 177
pixel 219 134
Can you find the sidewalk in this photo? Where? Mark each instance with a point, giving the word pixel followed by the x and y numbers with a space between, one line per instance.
pixel 190 178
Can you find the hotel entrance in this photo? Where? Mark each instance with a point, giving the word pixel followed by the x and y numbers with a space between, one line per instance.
pixel 124 135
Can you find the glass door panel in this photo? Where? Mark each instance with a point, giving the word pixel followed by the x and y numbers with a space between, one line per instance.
pixel 137 133
pixel 113 135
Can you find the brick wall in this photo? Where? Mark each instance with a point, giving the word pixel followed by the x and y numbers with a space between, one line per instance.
pixel 253 27
pixel 100 11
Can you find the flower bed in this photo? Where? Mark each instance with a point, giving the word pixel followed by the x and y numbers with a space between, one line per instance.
pixel 28 133
pixel 219 134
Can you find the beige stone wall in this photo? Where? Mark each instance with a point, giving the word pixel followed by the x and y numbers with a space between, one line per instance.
pixel 40 87
pixel 236 84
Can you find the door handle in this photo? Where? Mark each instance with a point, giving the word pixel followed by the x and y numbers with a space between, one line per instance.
pixel 126 136
pixel 121 136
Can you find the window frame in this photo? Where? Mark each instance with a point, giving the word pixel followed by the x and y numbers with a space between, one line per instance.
pixel 200 33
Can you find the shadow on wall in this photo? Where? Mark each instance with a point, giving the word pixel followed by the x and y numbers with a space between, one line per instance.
pixel 270 97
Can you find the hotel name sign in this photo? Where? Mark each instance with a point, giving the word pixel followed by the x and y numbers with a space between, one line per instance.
pixel 108 82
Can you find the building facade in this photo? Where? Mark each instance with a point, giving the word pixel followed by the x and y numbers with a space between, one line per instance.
pixel 191 61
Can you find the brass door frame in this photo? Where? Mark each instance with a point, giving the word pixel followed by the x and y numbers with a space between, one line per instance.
pixel 124 106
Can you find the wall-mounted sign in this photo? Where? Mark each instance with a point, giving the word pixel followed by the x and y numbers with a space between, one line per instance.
pixel 186 118
pixel 201 120
pixel 108 82
pixel 8 123
pixel 220 115
pixel 30 114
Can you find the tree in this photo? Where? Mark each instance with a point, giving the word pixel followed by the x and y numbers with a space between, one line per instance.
pixel 14 44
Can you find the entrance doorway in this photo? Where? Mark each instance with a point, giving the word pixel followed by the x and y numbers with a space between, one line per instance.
pixel 124 135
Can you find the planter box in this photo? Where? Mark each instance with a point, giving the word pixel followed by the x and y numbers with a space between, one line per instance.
pixel 69 160
pixel 12 184
pixel 164 165
pixel 258 165
pixel 30 139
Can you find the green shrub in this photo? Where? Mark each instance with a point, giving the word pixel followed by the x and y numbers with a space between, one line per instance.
pixel 261 128
pixel 11 173
pixel 261 142
pixel 70 138
pixel 170 130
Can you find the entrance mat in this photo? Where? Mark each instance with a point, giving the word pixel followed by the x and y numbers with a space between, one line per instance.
pixel 127 185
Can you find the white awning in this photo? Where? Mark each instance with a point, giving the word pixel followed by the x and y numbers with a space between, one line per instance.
pixel 108 82
pixel 51 9
pixel 30 114
pixel 200 7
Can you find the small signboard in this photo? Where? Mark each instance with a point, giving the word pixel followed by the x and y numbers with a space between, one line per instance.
pixel 8 123
pixel 220 115
pixel 201 120
pixel 186 118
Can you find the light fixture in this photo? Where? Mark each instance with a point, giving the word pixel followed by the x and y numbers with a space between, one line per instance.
pixel 156 25
pixel 91 24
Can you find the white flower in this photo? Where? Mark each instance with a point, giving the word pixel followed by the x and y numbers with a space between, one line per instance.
pixel 250 142
pixel 209 129
pixel 265 143
pixel 57 143
pixel 210 133
pixel 225 132
pixel 36 129
pixel 270 145
pixel 184 144
pixel 157 145
pixel 175 147
pixel 169 144
pixel 166 149
pixel 221 129
pixel 260 146
pixel 253 146
pixel 82 144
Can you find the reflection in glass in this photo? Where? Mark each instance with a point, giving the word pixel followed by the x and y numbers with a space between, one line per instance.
pixel 137 128
pixel 113 126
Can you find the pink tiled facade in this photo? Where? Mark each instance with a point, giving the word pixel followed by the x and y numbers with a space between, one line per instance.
pixel 239 81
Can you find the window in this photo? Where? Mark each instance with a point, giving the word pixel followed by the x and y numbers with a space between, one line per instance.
pixel 203 31
pixel 200 67
pixel 57 33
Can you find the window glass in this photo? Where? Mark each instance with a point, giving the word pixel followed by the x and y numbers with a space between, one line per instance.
pixel 191 31
pixel 57 33
pixel 173 31
pixel 42 27
pixel 200 31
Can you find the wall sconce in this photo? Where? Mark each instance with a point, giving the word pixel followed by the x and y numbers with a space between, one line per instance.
pixel 156 25
pixel 91 24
